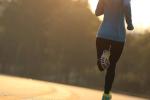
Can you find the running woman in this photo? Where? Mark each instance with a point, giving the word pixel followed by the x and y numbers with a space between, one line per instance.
pixel 110 37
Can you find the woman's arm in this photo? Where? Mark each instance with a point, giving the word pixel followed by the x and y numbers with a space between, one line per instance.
pixel 128 15
pixel 100 8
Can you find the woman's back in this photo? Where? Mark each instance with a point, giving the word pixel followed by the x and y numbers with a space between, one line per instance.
pixel 113 27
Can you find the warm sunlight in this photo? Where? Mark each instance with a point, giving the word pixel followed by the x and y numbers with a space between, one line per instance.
pixel 141 15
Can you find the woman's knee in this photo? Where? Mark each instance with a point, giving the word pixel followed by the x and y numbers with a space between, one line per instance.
pixel 112 69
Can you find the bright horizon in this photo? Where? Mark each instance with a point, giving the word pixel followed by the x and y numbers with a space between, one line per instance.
pixel 140 21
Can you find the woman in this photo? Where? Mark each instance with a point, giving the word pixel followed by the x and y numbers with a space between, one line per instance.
pixel 110 37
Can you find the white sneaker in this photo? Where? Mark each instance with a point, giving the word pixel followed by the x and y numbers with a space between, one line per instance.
pixel 105 63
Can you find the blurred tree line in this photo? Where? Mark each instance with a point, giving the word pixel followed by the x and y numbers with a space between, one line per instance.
pixel 54 40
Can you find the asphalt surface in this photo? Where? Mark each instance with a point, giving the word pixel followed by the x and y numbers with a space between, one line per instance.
pixel 15 88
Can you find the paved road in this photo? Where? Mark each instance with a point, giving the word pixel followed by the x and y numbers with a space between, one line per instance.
pixel 15 88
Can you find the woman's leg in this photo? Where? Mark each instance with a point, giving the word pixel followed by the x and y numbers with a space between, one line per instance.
pixel 101 45
pixel 116 50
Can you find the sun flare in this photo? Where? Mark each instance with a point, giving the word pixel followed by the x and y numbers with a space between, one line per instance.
pixel 140 12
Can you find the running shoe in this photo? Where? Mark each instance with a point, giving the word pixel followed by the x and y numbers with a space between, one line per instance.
pixel 105 63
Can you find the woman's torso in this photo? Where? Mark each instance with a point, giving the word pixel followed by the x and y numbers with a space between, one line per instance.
pixel 113 27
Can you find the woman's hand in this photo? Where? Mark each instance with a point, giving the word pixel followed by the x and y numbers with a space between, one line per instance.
pixel 130 27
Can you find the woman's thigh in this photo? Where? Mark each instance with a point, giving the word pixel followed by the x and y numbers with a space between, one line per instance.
pixel 116 51
pixel 101 45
